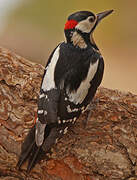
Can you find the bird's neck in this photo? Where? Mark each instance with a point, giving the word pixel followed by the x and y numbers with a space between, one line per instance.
pixel 81 40
pixel 92 42
pixel 78 41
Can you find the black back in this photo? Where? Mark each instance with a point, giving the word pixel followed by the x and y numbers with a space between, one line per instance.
pixel 73 64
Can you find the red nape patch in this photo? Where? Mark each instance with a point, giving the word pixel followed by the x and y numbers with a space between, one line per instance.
pixel 70 24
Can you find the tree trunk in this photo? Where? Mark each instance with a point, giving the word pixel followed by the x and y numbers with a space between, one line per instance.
pixel 105 149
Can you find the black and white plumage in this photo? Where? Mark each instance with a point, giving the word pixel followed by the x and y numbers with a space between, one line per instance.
pixel 72 75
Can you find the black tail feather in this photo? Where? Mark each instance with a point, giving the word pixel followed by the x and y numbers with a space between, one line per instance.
pixel 34 153
pixel 33 158
pixel 24 155
pixel 27 147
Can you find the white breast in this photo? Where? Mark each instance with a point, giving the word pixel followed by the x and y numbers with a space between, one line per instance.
pixel 79 95
pixel 48 81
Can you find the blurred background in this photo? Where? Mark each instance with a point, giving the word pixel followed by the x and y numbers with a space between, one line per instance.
pixel 33 28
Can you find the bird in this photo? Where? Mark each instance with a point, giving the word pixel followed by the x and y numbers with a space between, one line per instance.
pixel 72 75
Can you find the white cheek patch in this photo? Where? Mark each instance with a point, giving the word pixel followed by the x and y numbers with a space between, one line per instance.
pixel 48 81
pixel 79 95
pixel 85 25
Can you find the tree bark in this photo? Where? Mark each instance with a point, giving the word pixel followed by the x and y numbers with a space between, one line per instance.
pixel 105 149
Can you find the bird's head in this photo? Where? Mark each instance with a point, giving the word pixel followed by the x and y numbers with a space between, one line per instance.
pixel 82 23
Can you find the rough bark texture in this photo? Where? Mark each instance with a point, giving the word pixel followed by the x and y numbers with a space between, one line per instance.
pixel 105 149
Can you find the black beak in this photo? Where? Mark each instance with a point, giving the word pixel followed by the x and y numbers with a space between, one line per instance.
pixel 101 15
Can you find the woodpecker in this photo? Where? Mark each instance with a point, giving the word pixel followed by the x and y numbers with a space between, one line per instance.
pixel 72 75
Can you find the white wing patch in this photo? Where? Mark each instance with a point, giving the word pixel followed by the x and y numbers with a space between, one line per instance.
pixel 79 95
pixel 48 81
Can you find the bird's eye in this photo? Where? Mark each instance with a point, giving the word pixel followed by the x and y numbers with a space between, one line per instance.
pixel 91 19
